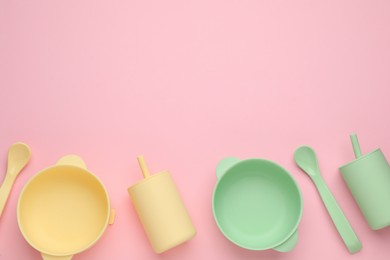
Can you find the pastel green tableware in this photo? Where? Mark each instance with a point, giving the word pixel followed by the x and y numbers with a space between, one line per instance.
pixel 306 159
pixel 368 179
pixel 257 204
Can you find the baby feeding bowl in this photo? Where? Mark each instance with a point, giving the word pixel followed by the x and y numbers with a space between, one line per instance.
pixel 64 209
pixel 257 204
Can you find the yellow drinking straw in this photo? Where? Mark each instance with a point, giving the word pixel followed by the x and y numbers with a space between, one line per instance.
pixel 143 166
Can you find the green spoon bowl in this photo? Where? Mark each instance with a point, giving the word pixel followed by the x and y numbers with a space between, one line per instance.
pixel 257 204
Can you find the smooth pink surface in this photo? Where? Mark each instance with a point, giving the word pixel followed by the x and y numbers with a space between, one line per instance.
pixel 187 83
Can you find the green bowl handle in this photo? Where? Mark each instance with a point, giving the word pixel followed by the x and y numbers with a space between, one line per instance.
pixel 289 244
pixel 224 165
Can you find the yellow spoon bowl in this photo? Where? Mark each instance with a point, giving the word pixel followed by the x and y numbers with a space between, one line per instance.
pixel 64 209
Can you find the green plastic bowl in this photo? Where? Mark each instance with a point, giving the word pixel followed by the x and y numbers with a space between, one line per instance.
pixel 257 204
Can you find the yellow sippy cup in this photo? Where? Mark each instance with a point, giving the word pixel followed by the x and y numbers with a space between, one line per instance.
pixel 160 209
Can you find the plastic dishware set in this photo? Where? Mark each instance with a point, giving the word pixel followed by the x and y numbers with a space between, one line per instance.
pixel 257 205
pixel 65 209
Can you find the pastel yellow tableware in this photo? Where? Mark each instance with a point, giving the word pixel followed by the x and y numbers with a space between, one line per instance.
pixel 64 209
pixel 18 156
pixel 160 209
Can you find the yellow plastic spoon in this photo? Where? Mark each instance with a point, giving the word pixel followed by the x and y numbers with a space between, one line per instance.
pixel 18 157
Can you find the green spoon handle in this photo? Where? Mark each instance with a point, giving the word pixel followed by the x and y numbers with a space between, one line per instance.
pixel 341 222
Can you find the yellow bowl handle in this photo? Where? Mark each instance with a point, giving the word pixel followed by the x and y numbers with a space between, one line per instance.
pixel 52 257
pixel 112 217
pixel 72 159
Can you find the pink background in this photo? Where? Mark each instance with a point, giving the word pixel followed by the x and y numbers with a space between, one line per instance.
pixel 187 83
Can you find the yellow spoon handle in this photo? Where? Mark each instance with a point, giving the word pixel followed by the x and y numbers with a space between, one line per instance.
pixel 5 190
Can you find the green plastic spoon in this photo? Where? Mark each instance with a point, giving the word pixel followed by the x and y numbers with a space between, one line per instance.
pixel 306 159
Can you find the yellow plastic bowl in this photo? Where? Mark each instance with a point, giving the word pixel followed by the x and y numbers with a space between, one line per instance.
pixel 64 209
